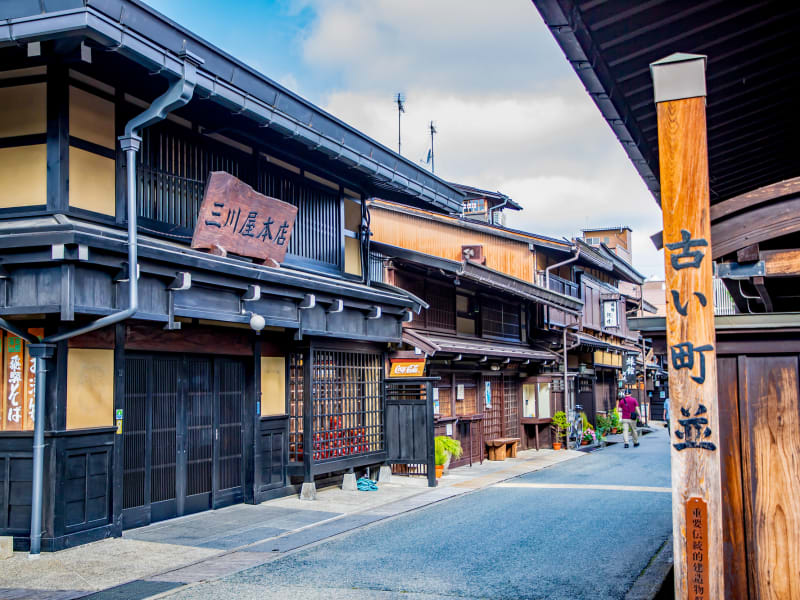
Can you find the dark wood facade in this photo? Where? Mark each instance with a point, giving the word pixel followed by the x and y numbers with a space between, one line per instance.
pixel 184 407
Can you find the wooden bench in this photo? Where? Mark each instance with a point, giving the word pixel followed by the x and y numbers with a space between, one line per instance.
pixel 498 448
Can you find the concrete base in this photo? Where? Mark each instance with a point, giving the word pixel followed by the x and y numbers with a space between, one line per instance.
pixel 6 547
pixel 308 491
pixel 349 482
pixel 385 474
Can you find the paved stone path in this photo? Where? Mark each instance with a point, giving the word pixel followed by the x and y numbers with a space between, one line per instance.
pixel 584 530
pixel 215 544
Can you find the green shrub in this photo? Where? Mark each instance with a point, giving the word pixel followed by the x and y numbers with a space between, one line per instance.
pixel 444 445
pixel 585 422
pixel 615 420
pixel 559 424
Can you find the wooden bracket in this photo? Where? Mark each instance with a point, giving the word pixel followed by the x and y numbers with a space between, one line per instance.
pixel 336 306
pixel 172 324
pixel 374 313
pixel 252 294
pixel 182 282
pixel 308 301
pixel 408 316
pixel 763 293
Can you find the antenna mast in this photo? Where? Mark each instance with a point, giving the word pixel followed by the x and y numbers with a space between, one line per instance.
pixel 401 108
pixel 433 132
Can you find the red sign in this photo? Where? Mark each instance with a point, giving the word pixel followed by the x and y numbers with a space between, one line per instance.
pixel 407 367
pixel 236 219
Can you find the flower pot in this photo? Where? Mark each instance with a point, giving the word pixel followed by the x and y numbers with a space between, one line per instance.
pixel 439 470
pixel 613 430
pixel 584 442
pixel 556 445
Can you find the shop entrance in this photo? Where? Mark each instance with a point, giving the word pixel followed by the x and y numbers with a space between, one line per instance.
pixel 182 436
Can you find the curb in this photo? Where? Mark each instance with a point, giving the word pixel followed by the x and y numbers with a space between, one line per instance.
pixel 650 581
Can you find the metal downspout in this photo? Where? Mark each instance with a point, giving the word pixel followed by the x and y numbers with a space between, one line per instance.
pixel 567 407
pixel 178 94
pixel 561 264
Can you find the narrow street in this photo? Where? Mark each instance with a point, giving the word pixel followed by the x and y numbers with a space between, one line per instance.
pixel 582 529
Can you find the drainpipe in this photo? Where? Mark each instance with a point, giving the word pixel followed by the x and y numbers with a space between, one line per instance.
pixel 496 208
pixel 178 94
pixel 561 264
pixel 565 349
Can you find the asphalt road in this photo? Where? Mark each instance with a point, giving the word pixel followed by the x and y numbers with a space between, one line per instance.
pixel 547 534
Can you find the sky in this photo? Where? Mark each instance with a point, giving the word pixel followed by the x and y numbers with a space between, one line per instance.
pixel 510 112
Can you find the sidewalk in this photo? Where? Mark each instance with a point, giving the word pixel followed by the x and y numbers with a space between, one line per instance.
pixel 167 555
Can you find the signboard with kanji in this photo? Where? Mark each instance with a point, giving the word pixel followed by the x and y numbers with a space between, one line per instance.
pixel 235 219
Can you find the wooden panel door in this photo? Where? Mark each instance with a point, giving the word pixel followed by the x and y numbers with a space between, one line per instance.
pixel 770 422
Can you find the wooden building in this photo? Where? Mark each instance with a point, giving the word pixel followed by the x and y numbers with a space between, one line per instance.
pixel 479 334
pixel 597 335
pixel 745 199
pixel 214 379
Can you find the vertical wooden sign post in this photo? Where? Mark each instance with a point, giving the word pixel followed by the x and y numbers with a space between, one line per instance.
pixel 680 89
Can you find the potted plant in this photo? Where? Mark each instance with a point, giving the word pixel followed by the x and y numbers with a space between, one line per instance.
pixel 559 426
pixel 443 448
pixel 615 420
pixel 589 437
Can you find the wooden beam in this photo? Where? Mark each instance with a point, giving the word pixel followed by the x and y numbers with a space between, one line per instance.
pixel 761 288
pixel 781 263
pixel 679 86
pixel 755 197
pixel 747 254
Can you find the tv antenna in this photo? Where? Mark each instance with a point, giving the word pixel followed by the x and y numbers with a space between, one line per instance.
pixel 433 132
pixel 401 108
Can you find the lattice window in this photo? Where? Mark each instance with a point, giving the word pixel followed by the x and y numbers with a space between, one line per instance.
pixel 493 416
pixel 444 402
pixel 511 390
pixel 441 314
pixel 172 168
pixel 296 387
pixel 318 230
pixel 469 405
pixel 500 319
pixel 347 404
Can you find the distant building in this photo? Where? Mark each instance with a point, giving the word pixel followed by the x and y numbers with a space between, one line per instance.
pixel 616 239
pixel 483 205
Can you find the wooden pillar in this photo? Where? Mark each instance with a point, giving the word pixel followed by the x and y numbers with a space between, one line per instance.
pixel 679 85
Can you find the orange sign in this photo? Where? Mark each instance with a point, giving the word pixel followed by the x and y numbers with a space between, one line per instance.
pixel 407 367
pixel 697 548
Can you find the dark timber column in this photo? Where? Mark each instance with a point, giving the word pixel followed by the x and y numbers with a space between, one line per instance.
pixel 680 90
pixel 309 490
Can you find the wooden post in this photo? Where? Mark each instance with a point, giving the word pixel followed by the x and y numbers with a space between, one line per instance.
pixel 679 85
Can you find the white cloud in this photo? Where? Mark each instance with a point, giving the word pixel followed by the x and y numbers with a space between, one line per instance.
pixel 510 112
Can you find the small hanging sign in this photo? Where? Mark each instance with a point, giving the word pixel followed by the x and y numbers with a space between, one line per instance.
pixel 697 548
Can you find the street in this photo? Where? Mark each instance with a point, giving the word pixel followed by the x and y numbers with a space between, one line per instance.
pixel 582 529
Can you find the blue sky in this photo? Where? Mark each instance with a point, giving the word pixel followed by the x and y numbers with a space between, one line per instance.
pixel 511 113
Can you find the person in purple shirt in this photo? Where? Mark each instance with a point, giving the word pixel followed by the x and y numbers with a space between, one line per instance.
pixel 627 407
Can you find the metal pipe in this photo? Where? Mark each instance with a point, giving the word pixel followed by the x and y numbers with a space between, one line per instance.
pixel 177 95
pixel 561 264
pixel 40 352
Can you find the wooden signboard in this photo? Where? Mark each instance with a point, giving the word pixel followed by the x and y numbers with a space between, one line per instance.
pixel 13 363
pixel 679 84
pixel 236 219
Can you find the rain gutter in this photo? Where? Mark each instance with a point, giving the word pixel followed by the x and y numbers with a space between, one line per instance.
pixel 178 94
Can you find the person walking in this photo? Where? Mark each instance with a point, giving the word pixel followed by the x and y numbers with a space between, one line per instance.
pixel 628 408
pixel 666 414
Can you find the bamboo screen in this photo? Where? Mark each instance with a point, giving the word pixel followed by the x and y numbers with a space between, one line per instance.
pixel 469 405
pixel 444 402
pixel 493 419
pixel 18 402
pixel 511 401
